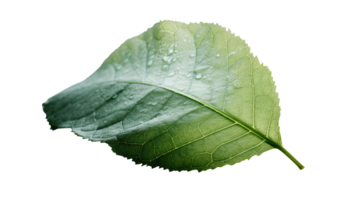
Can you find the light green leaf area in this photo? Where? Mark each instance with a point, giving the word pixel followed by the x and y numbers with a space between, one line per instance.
pixel 178 96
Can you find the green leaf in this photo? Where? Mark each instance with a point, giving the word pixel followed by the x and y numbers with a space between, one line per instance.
pixel 178 96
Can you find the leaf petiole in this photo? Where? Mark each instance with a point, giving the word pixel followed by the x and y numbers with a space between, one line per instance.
pixel 291 157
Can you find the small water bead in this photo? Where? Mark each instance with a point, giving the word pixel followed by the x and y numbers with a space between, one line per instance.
pixel 171 74
pixel 217 55
pixel 188 75
pixel 150 62
pixel 174 59
pixel 198 76
pixel 118 66
pixel 131 97
pixel 167 59
pixel 192 55
pixel 152 103
pixel 171 51
pixel 114 96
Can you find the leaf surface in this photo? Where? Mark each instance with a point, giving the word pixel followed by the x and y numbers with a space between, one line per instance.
pixel 178 96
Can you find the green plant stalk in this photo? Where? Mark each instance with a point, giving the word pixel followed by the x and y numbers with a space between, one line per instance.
pixel 292 158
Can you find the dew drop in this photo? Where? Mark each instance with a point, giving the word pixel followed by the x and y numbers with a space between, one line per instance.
pixel 114 96
pixel 118 67
pixel 150 62
pixel 217 55
pixel 198 76
pixel 173 60
pixel 192 55
pixel 232 53
pixel 171 51
pixel 131 97
pixel 167 59
pixel 188 75
pixel 171 74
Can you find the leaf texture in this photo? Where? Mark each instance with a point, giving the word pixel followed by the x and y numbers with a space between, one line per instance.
pixel 178 96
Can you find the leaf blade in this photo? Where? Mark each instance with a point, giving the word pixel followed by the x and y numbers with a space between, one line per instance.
pixel 168 48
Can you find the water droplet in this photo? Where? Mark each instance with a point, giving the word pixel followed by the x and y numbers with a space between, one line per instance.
pixel 188 75
pixel 173 60
pixel 150 62
pixel 171 51
pixel 198 76
pixel 165 68
pixel 152 103
pixel 171 74
pixel 131 97
pixel 118 67
pixel 167 59
pixel 232 53
pixel 114 96
pixel 217 55
pixel 192 55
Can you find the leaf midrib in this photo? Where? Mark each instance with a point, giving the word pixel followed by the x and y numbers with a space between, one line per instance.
pixel 217 110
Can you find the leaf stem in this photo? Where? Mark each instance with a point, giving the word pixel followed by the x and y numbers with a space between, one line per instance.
pixel 291 157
